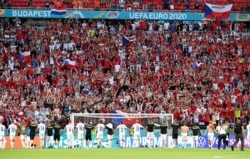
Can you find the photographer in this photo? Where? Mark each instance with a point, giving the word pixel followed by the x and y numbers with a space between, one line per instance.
pixel 222 130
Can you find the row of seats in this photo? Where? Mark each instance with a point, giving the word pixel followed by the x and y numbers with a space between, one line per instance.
pixel 239 5
pixel 218 1
pixel 19 3
pixel 33 3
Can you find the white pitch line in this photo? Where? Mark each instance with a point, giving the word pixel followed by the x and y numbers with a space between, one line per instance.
pixel 218 157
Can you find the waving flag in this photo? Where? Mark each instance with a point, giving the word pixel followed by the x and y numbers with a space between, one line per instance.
pixel 124 117
pixel 21 42
pixel 197 65
pixel 116 121
pixel 24 55
pixel 127 40
pixel 59 9
pixel 212 10
pixel 69 64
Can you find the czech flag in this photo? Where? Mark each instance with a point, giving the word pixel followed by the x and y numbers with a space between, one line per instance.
pixel 59 9
pixel 69 64
pixel 127 40
pixel 197 65
pixel 212 10
pixel 124 117
pixel 24 55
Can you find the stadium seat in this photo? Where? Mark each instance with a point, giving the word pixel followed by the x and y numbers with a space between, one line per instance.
pixel 38 4
pixel 202 6
pixel 19 3
pixel 239 7
pixel 209 1
pixel 192 6
pixel 177 6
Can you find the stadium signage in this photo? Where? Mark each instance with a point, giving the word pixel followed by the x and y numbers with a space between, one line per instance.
pixel 31 13
pixel 129 142
pixel 119 15
pixel 158 16
pixel 157 141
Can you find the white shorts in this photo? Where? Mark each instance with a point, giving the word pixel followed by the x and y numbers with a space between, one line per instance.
pixel 137 136
pixel 23 137
pixel 1 136
pixel 110 137
pixel 195 138
pixel 150 135
pixel 27 138
pixel 122 137
pixel 41 135
pixel 12 136
pixel 164 137
pixel 80 135
pixel 99 136
pixel 210 136
pixel 70 136
pixel 49 138
pixel 184 136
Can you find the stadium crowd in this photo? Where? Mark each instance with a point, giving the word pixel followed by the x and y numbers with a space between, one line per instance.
pixel 145 5
pixel 199 71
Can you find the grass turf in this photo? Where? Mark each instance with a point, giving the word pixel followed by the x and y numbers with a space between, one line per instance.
pixel 130 153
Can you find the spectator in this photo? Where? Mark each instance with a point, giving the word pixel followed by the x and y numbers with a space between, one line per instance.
pixel 136 5
pixel 166 4
pixel 47 4
pixel 3 4
pixel 121 4
pixel 187 5
pixel 129 5
pixel 168 67
pixel 145 4
pixel 197 5
pixel 171 6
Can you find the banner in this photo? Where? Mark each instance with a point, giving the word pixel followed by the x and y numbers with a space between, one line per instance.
pixel 18 143
pixel 119 15
pixel 157 141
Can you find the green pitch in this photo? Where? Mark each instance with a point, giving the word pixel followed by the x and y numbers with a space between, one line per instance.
pixel 108 153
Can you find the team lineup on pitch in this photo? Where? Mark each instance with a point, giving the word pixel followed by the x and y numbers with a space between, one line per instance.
pixel 151 132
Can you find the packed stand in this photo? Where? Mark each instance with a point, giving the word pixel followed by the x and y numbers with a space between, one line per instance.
pixel 143 5
pixel 197 71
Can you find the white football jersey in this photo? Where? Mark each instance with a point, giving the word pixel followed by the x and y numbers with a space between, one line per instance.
pixel 41 128
pixel 137 127
pixel 69 128
pixel 80 127
pixel 122 128
pixel 2 129
pixel 12 128
pixel 100 128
